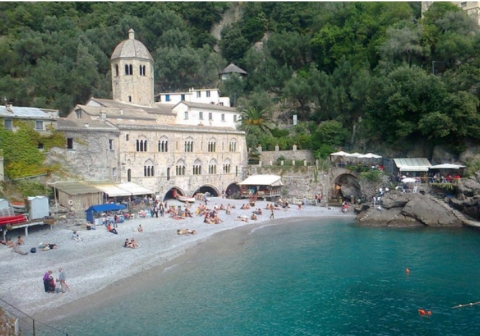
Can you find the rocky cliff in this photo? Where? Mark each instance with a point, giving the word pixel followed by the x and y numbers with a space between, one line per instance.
pixel 405 210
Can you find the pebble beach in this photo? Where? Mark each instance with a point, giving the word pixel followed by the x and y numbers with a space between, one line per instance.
pixel 99 260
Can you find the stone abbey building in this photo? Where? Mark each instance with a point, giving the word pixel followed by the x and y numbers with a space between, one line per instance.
pixel 187 142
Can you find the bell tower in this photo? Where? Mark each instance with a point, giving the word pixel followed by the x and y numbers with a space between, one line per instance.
pixel 132 72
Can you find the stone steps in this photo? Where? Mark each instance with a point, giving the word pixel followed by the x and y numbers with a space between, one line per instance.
pixel 458 214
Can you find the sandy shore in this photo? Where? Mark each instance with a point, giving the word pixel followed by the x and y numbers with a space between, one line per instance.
pixel 100 259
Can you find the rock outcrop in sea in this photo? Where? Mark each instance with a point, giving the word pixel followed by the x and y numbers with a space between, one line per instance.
pixel 408 210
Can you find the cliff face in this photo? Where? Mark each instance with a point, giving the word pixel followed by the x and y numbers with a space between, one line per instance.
pixel 405 210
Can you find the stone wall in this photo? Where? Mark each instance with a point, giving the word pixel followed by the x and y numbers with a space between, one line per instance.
pixel 299 181
pixel 270 157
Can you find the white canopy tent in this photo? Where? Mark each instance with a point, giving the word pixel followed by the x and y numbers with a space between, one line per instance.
pixel 135 189
pixel 341 153
pixel 263 180
pixel 447 166
pixel 113 190
pixel 412 164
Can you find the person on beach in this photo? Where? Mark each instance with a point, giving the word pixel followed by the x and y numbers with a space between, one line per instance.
pixel 111 229
pixel 134 243
pixel 254 216
pixel 127 243
pixel 10 243
pixel 272 214
pixel 46 279
pixel 20 241
pixel 17 249
pixel 61 279
pixel 75 236
pixel 140 228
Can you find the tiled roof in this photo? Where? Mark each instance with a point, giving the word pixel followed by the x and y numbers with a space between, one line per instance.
pixel 156 109
pixel 24 112
pixel 115 112
pixel 209 106
pixel 131 48
pixel 233 68
pixel 79 124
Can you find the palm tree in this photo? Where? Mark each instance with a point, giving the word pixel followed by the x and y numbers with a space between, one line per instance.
pixel 253 117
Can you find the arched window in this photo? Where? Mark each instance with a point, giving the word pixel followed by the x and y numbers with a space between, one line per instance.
pixel 126 69
pixel 189 145
pixel 212 146
pixel 163 145
pixel 116 70
pixel 168 174
pixel 212 167
pixel 129 99
pixel 129 175
pixel 148 169
pixel 180 168
pixel 232 146
pixel 226 166
pixel 197 167
pixel 141 145
pixel 131 69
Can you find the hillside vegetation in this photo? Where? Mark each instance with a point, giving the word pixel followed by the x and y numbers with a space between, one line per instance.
pixel 351 71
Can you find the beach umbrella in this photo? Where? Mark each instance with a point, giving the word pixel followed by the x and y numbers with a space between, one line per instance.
pixel 341 153
pixel 409 180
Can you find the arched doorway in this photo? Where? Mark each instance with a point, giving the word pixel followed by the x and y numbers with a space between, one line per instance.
pixel 233 191
pixel 173 193
pixel 346 186
pixel 203 189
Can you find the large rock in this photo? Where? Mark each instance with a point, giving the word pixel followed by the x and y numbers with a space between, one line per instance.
pixel 469 187
pixel 430 212
pixel 408 210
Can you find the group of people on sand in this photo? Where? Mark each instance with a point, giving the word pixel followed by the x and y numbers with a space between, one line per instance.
pixel 49 282
pixel 15 246
pixel 131 243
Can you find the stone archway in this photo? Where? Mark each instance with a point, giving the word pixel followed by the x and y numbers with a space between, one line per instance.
pixel 345 186
pixel 207 188
pixel 173 193
pixel 233 191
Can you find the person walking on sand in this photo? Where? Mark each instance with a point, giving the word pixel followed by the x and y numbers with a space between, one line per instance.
pixel 61 278
pixel 272 214
pixel 46 279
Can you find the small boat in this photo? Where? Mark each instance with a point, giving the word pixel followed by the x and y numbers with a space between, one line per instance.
pixel 186 199
pixel 7 220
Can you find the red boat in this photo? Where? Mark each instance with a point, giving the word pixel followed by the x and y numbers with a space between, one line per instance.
pixel 12 219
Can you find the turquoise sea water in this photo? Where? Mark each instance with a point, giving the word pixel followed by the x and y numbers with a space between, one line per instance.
pixel 319 277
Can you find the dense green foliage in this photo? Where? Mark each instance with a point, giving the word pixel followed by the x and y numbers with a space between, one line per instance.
pixel 21 153
pixel 351 71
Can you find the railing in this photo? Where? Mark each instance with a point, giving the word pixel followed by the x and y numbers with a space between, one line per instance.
pixel 16 322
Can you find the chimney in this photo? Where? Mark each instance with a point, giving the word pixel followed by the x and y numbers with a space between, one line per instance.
pixel 103 114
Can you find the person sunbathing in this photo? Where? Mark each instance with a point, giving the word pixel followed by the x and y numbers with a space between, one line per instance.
pixel 140 228
pixel 222 207
pixel 47 246
pixel 75 236
pixel 258 212
pixel 10 243
pixel 208 219
pixel 253 217
pixel 134 243
pixel 242 218
pixel 217 220
pixel 243 207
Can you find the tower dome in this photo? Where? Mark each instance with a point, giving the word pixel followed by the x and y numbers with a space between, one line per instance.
pixel 131 48
pixel 132 72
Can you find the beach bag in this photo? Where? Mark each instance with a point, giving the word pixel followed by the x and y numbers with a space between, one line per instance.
pixel 33 250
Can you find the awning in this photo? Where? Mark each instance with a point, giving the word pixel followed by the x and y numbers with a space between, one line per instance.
pixel 112 190
pixel 412 164
pixel 341 153
pixel 135 189
pixel 263 180
pixel 447 166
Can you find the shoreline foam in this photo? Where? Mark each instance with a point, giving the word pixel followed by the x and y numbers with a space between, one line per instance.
pixel 98 263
